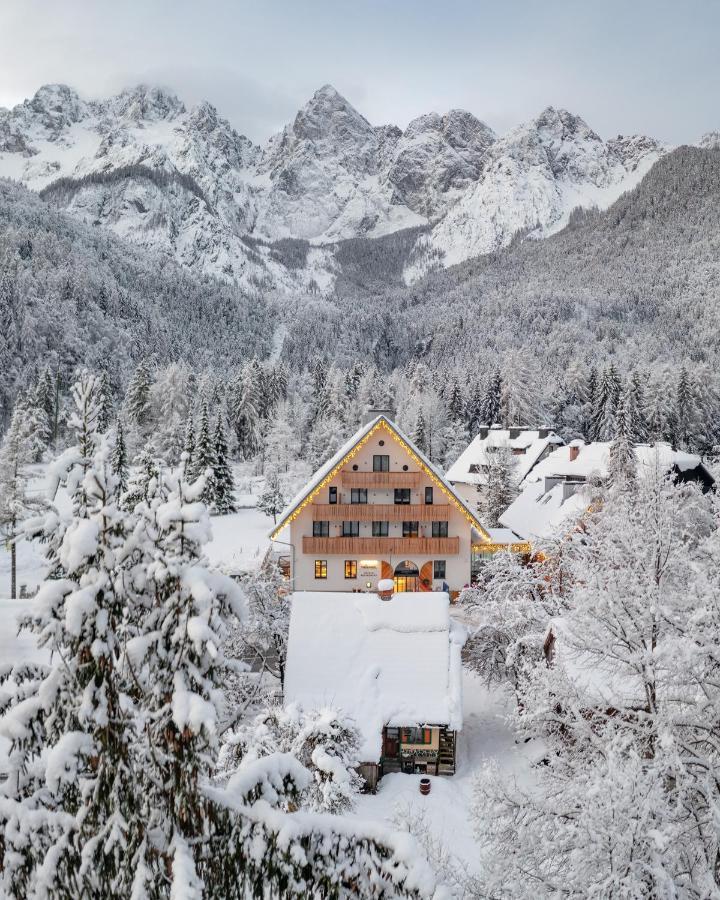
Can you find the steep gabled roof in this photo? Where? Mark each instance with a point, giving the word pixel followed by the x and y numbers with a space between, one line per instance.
pixel 330 469
pixel 476 454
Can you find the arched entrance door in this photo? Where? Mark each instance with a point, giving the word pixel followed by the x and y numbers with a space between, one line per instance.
pixel 406 577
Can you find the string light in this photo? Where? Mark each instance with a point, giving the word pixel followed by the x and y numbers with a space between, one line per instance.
pixel 384 424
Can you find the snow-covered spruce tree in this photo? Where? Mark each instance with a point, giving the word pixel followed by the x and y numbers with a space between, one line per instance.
pixel 180 613
pixel 137 398
pixel 625 802
pixel 490 409
pixel 119 456
pixel 224 483
pixel 606 400
pixel 204 456
pixel 419 433
pixel 271 501
pixel 189 446
pixel 142 481
pixel 622 465
pixel 68 808
pixel 17 501
pixel 106 405
pixel 501 488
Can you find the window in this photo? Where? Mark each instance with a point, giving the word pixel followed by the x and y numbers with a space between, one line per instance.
pixel 351 529
pixel 402 495
pixel 321 529
pixel 333 495
pixel 358 495
pixel 429 496
pixel 381 463
pixel 321 568
pixel 439 529
pixel 410 529
pixel 474 468
pixel 416 735
pixel 380 529
pixel 439 569
pixel 351 568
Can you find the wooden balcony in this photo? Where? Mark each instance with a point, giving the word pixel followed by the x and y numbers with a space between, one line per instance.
pixel 387 546
pixel 380 512
pixel 382 479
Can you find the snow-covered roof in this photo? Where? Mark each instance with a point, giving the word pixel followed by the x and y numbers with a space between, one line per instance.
pixel 554 494
pixel 529 444
pixel 328 470
pixel 394 662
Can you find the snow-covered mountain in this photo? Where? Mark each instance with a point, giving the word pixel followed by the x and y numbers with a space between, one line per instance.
pixel 185 181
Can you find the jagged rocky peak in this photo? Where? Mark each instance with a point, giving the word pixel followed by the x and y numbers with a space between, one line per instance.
pixel 633 148
pixel 328 114
pixel 146 103
pixel 710 140
pixel 58 104
pixel 436 156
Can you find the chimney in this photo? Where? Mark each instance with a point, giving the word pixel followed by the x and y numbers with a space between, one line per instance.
pixel 386 586
pixel 574 449
pixel 374 413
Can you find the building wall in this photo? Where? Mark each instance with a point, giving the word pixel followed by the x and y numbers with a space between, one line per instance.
pixel 457 565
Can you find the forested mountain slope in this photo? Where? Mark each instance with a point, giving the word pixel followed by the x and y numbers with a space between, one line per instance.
pixel 72 294
pixel 639 283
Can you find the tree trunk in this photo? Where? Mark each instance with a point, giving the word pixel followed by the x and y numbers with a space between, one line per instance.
pixel 13 569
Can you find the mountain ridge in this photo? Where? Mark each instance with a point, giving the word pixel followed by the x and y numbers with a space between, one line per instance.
pixel 327 176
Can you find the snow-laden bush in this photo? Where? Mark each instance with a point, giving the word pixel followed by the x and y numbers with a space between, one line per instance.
pixel 325 743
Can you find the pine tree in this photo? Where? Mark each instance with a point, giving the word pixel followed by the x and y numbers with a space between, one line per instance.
pixel 137 396
pixel 143 481
pixel 271 501
pixel 498 493
pixel 456 405
pixel 106 407
pixel 188 450
pixel 684 411
pixel 636 410
pixel 119 456
pixel 603 419
pixel 17 501
pixel 490 410
pixel 622 463
pixel 222 473
pixel 473 410
pixel 204 457
pixel 419 434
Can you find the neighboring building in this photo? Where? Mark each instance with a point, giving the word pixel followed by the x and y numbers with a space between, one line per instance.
pixel 557 490
pixel 380 509
pixel 468 474
pixel 393 666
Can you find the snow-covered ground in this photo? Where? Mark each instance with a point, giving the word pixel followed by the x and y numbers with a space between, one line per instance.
pixel 446 809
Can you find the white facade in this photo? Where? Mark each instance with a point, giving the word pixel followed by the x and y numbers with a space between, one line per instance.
pixel 379 509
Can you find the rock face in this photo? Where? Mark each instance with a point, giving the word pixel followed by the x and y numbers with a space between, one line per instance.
pixel 185 181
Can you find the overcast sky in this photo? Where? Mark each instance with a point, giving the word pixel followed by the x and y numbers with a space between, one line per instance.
pixel 626 66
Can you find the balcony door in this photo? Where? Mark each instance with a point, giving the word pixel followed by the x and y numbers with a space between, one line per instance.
pixel 406 577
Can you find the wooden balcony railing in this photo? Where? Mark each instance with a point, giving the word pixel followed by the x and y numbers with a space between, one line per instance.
pixel 380 512
pixel 366 546
pixel 381 479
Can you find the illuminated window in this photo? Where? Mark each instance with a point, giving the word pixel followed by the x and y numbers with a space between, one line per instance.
pixel 321 568
pixel 439 568
pixel 439 529
pixel 351 568
pixel 381 463
pixel 321 529
pixel 410 529
pixel 380 529
pixel 351 529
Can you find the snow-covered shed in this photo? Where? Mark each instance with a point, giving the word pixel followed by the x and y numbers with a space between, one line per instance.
pixel 527 445
pixel 556 491
pixel 393 666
